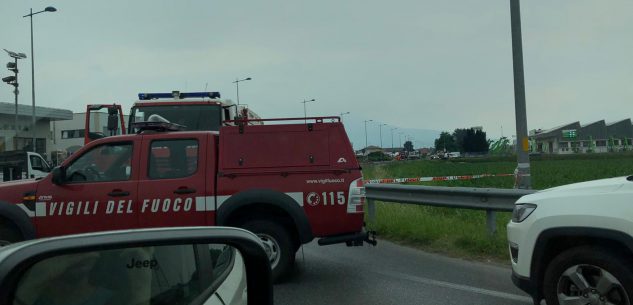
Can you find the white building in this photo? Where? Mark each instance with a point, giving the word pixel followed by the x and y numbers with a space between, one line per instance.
pixel 23 138
pixel 68 136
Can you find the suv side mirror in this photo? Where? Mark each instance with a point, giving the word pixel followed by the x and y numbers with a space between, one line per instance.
pixel 59 175
pixel 196 265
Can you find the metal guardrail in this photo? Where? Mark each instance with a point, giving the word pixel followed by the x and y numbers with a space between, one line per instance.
pixel 488 199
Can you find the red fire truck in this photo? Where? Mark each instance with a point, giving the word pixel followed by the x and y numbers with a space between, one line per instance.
pixel 192 110
pixel 289 183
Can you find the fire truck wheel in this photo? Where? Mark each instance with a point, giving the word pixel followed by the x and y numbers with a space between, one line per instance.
pixel 8 233
pixel 277 243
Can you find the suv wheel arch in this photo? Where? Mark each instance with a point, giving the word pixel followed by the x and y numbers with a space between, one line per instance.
pixel 243 201
pixel 548 245
pixel 16 216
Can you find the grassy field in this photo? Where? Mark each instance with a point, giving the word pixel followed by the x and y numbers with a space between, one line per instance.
pixel 460 232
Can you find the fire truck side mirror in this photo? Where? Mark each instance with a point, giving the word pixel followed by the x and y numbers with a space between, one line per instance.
pixel 59 175
pixel 210 265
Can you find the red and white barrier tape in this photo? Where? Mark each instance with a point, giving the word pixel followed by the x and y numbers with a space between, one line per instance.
pixel 439 178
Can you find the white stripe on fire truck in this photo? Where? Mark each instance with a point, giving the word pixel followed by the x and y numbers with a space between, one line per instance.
pixel 221 199
pixel 40 209
pixel 297 196
pixel 26 210
pixel 203 203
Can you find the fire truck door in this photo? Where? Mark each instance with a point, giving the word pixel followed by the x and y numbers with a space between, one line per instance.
pixel 172 187
pixel 99 192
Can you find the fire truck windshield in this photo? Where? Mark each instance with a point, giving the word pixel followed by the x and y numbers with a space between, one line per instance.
pixel 193 117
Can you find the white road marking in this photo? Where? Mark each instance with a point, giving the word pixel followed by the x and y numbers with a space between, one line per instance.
pixel 423 280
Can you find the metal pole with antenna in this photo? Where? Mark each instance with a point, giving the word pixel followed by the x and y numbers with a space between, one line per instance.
pixel 305 112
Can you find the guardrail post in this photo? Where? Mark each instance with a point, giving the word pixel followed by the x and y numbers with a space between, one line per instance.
pixel 491 222
pixel 371 210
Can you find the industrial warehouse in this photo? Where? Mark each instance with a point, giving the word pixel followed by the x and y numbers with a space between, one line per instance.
pixel 596 137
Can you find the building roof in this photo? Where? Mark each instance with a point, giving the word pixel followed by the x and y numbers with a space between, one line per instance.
pixel 589 124
pixel 556 130
pixel 53 114
pixel 619 122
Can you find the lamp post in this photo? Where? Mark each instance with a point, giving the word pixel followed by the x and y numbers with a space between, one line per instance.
pixel 366 132
pixel 305 112
pixel 380 128
pixel 342 114
pixel 49 9
pixel 237 87
pixel 13 81
pixel 392 129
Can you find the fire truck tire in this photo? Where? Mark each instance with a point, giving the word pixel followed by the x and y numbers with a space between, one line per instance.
pixel 277 243
pixel 8 233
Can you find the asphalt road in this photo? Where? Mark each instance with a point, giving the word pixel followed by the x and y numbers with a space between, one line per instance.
pixel 393 274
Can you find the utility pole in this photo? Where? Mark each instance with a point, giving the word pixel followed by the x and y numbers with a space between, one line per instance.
pixel 49 9
pixel 380 127
pixel 366 131
pixel 13 81
pixel 392 129
pixel 523 157
pixel 237 87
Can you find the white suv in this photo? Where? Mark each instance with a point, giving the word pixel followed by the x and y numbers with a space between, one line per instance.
pixel 573 244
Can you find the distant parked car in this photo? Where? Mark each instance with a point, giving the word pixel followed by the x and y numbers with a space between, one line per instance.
pixel 454 154
pixel 413 155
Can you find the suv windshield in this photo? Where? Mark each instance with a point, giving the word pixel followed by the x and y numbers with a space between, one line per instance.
pixel 193 117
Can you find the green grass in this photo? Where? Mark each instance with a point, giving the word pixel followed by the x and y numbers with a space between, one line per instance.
pixel 461 232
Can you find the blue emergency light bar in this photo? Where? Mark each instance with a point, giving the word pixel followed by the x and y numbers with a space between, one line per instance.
pixel 178 95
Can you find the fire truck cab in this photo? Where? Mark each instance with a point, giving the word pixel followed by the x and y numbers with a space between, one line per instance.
pixel 203 111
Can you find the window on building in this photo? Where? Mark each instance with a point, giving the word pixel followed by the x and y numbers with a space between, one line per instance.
pixel 73 134
pixel 67 134
pixel 3 145
pixel 601 143
pixel 170 159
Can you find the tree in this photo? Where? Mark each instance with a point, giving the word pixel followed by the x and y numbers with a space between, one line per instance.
pixel 408 146
pixel 445 142
pixel 459 135
pixel 475 141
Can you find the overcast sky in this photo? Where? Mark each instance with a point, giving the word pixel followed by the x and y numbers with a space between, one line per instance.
pixel 412 64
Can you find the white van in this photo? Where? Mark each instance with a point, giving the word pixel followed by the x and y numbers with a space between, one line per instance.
pixel 19 164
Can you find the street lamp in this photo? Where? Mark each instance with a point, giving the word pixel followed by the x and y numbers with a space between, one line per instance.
pixel 380 127
pixel 342 114
pixel 366 131
pixel 305 112
pixel 13 81
pixel 49 9
pixel 237 87
pixel 392 129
